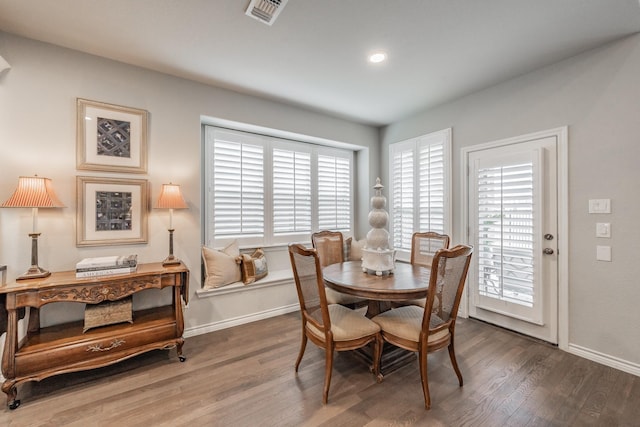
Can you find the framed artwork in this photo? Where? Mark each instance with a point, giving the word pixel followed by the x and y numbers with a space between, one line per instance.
pixel 111 138
pixel 111 211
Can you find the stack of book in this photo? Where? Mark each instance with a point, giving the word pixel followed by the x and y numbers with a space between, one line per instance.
pixel 104 266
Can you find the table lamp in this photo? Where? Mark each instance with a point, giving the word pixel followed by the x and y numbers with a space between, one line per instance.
pixel 171 198
pixel 34 192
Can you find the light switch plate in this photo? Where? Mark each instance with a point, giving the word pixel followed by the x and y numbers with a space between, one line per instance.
pixel 603 253
pixel 602 206
pixel 603 229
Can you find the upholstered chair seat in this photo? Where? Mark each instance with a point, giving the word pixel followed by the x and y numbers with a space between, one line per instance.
pixel 346 325
pixel 406 323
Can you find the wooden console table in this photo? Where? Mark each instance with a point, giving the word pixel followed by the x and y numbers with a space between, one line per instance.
pixel 65 348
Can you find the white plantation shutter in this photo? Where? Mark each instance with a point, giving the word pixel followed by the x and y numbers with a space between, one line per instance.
pixel 431 187
pixel 291 192
pixel 402 197
pixel 420 187
pixel 334 192
pixel 238 187
pixel 506 232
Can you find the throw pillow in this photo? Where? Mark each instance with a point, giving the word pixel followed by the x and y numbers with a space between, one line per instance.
pixel 355 249
pixel 254 266
pixel 221 267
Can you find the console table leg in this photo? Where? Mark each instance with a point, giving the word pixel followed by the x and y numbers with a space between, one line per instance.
pixel 179 345
pixel 34 320
pixel 9 387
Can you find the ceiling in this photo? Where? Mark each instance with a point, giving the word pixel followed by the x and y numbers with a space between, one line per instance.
pixel 315 53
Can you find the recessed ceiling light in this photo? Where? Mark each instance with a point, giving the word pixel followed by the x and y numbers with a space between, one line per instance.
pixel 377 57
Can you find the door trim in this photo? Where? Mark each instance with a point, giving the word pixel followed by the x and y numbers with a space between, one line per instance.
pixel 561 135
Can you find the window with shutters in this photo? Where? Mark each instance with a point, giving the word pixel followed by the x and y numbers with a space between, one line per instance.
pixel 263 190
pixel 419 171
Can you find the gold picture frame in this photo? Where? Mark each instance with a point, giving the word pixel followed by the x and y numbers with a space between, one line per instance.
pixel 111 138
pixel 111 211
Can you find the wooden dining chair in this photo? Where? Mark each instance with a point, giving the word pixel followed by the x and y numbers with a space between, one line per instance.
pixel 329 326
pixel 424 246
pixel 421 330
pixel 330 248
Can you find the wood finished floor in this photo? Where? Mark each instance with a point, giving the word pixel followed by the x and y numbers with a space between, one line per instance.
pixel 244 376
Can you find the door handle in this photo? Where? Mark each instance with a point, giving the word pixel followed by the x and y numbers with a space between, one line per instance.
pixel 548 251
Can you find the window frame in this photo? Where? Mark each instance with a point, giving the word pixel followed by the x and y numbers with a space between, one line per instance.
pixel 414 146
pixel 269 143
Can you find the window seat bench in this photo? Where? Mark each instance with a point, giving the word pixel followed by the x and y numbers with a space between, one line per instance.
pixel 236 303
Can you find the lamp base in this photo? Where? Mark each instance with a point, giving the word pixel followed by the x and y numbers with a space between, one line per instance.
pixel 171 260
pixel 34 272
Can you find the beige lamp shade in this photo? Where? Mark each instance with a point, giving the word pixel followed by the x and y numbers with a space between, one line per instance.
pixel 33 192
pixel 171 198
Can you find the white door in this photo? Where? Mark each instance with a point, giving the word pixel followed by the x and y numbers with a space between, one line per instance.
pixel 513 226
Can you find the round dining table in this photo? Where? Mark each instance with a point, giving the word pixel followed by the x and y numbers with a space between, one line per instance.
pixel 407 282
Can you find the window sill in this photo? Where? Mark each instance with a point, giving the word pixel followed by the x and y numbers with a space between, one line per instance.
pixel 274 278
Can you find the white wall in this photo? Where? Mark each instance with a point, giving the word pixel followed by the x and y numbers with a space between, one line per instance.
pixel 597 94
pixel 38 136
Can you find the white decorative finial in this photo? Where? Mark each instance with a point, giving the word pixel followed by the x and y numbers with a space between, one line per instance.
pixel 378 185
pixel 377 257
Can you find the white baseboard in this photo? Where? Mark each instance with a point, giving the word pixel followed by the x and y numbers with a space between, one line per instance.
pixel 241 320
pixel 605 359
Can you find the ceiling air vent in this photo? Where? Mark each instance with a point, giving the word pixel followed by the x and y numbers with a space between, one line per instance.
pixel 265 10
